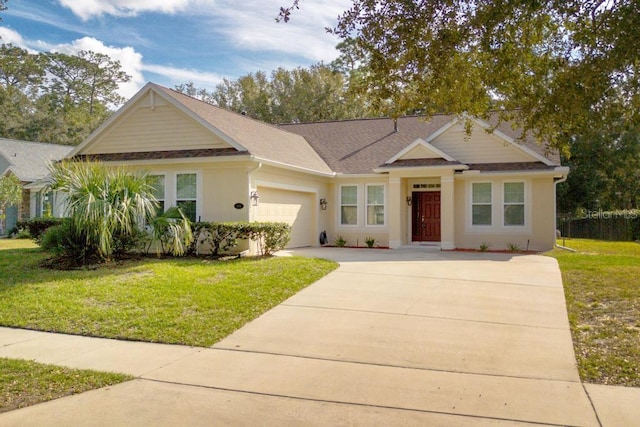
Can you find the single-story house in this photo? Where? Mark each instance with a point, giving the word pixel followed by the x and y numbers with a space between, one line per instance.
pixel 29 162
pixel 409 181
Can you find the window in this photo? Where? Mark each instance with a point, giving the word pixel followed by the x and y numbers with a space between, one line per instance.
pixel 47 204
pixel 349 205
pixel 481 203
pixel 375 204
pixel 186 194
pixel 514 203
pixel 157 184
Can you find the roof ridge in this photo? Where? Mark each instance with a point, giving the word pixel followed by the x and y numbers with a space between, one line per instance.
pixel 362 119
pixel 227 110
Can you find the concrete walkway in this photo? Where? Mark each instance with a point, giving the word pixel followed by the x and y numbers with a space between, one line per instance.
pixel 405 337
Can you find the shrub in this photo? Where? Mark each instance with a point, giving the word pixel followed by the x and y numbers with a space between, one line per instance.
pixel 37 226
pixel 484 246
pixel 219 236
pixel 65 240
pixel 369 241
pixel 513 247
pixel 340 241
pixel 106 205
pixel 170 232
pixel 270 236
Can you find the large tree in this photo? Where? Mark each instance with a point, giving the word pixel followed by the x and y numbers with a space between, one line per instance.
pixel 316 93
pixel 555 67
pixel 56 97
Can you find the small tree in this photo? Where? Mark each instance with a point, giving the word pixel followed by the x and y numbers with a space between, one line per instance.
pixel 10 193
pixel 106 206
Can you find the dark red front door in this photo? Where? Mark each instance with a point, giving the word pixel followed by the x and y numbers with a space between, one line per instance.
pixel 426 216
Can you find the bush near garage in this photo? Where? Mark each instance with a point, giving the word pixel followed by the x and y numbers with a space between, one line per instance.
pixel 219 238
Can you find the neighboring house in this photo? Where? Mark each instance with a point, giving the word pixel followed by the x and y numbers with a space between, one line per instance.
pixel 29 162
pixel 403 182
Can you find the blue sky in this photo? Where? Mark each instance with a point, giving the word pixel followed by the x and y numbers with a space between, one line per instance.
pixel 175 41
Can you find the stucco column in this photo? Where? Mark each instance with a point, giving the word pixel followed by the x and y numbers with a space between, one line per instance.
pixel 395 213
pixel 447 213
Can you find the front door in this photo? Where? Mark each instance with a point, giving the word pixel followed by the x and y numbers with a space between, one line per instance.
pixel 425 216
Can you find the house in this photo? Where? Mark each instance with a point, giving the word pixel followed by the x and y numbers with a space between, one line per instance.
pixel 403 182
pixel 29 162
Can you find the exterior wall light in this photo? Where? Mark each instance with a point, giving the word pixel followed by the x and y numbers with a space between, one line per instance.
pixel 409 200
pixel 254 198
pixel 323 204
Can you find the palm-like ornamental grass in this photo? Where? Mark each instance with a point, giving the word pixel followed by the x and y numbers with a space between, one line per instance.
pixel 106 205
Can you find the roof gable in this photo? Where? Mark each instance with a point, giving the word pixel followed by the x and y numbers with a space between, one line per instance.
pixel 481 146
pixel 420 149
pixel 158 119
pixel 150 122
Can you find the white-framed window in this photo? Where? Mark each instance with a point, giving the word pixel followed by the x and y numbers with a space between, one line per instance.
pixel 481 203
pixel 157 182
pixel 375 204
pixel 187 194
pixel 514 204
pixel 348 205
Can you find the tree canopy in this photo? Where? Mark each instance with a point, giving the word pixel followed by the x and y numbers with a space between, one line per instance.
pixel 317 93
pixel 554 67
pixel 10 191
pixel 55 97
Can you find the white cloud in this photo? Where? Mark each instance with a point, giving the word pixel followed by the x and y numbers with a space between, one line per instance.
pixel 252 26
pixel 87 9
pixel 176 76
pixel 7 36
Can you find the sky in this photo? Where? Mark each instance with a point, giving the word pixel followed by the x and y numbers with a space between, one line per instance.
pixel 170 42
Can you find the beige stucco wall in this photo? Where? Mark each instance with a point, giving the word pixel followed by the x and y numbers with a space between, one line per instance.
pixel 539 231
pixel 356 234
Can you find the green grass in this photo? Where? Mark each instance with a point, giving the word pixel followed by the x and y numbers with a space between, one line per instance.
pixel 24 383
pixel 179 301
pixel 602 288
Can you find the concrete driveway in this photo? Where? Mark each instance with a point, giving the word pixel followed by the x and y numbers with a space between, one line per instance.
pixel 403 337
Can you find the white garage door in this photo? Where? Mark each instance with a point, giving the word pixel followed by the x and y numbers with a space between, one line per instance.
pixel 293 207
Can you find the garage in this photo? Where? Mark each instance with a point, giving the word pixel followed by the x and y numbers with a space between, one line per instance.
pixel 293 207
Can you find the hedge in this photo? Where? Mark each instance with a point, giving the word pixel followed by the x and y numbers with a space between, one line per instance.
pixel 223 237
pixel 37 226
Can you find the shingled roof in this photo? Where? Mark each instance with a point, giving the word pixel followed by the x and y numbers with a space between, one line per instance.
pixel 29 161
pixel 360 146
pixel 262 140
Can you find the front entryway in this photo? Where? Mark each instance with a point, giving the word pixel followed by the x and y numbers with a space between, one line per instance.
pixel 425 223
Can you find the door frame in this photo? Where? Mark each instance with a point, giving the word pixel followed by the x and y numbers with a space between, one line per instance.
pixel 419 194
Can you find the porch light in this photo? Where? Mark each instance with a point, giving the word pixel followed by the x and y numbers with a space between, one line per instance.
pixel 409 200
pixel 254 198
pixel 323 204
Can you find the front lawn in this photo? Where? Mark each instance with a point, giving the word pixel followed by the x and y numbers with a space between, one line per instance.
pixel 24 383
pixel 179 301
pixel 602 288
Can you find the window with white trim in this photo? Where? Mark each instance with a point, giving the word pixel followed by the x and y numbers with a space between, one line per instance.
pixel 514 206
pixel 348 205
pixel 481 203
pixel 186 194
pixel 375 204
pixel 157 184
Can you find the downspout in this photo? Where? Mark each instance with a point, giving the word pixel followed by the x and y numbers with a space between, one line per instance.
pixel 555 210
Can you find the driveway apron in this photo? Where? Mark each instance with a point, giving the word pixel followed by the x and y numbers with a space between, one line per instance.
pixel 404 337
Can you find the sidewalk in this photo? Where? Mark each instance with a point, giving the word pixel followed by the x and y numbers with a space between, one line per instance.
pixel 390 338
